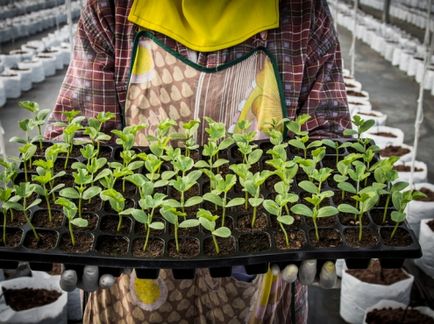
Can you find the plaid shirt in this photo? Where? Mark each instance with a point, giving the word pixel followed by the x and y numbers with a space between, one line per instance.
pixel 305 46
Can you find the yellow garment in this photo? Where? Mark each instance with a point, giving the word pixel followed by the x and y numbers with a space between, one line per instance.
pixel 206 25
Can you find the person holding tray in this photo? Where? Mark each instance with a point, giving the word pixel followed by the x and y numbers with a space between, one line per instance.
pixel 146 61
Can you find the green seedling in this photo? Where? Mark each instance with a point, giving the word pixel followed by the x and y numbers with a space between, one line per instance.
pixel 24 190
pixel 276 207
pixel 208 221
pixel 172 215
pixel 93 129
pixel 362 126
pixel 301 140
pixel 82 189
pixel 70 211
pixel 69 133
pixel 43 179
pixel 243 138
pixel 27 151
pixel 223 186
pixel 117 203
pixel 400 200
pixel 39 117
pixel 8 202
pixel 316 211
pixel 253 186
pixel 357 174
pixel 188 137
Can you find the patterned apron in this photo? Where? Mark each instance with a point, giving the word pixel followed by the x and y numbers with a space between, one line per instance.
pixel 164 85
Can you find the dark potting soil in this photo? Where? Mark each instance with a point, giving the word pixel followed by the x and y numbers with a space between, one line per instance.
pixel 188 247
pixel 18 220
pixel 109 223
pixel 59 165
pixel 74 153
pixel 431 225
pixel 296 240
pixel 94 205
pixel 429 194
pixel 337 199
pixel 130 189
pixel 350 220
pixel 105 152
pixel 322 221
pixel 154 248
pixel 392 150
pixel 397 315
pixel 355 94
pixel 244 222
pixel 92 220
pixel 374 274
pixel 83 242
pixel 191 231
pixel 226 246
pixel 194 191
pixel 26 298
pixel 45 145
pixel 67 180
pixel 112 245
pixel 139 228
pixel 367 114
pixel 329 163
pixel 40 219
pixel 401 237
pixel 369 238
pixel 384 134
pixel 377 216
pixel 254 242
pixel 47 240
pixel 13 237
pixel 405 168
pixel 328 238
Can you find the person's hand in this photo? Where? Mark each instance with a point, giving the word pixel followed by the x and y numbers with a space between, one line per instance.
pixel 307 273
pixel 89 282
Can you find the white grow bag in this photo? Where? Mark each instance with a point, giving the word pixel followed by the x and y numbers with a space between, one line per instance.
pixel 360 99
pixel 53 313
pixel 426 240
pixel 406 157
pixel 419 210
pixel 383 141
pixel 2 94
pixel 26 77
pixel 419 176
pixel 49 63
pixel 386 303
pixel 377 116
pixel 57 54
pixel 357 296
pixel 356 107
pixel 38 73
pixel 12 85
pixel 351 84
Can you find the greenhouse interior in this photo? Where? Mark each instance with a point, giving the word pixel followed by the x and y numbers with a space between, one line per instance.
pixel 219 161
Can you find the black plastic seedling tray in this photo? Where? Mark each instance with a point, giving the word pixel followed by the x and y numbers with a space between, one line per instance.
pixel 184 267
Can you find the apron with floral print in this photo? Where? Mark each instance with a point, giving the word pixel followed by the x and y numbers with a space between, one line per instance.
pixel 165 85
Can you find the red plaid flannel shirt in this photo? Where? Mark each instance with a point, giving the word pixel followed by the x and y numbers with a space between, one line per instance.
pixel 305 46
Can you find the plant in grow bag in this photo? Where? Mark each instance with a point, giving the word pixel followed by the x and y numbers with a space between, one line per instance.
pixel 367 198
pixel 82 190
pixel 276 207
pixel 362 126
pixel 24 190
pixel 93 129
pixel 316 211
pixel 253 186
pixel 43 178
pixel 117 203
pixel 149 204
pixel 172 215
pixel 70 211
pixel 301 137
pixel 400 200
pixel 208 221
pixel 385 174
pixel 223 186
pixel 39 117
pixel 185 181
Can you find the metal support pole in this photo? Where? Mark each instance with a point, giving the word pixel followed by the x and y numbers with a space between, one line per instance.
pixel 419 113
pixel 353 43
pixel 386 11
pixel 69 19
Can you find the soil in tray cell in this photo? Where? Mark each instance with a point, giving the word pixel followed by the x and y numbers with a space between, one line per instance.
pixel 139 228
pixel 47 240
pixel 245 222
pixel 254 242
pixel 275 223
pixel 18 219
pixel 26 298
pixel 296 239
pixel 374 274
pixel 92 220
pixel 322 221
pixel 431 225
pixel 13 237
pixel 59 165
pixel 401 238
pixel 377 216
pixel 369 238
pixel 397 315
pixel 110 223
pixel 154 248
pixel 83 242
pixel 191 231
pixel 351 220
pixel 94 205
pixel 67 180
pixel 226 246
pixel 45 145
pixel 112 245
pixel 188 247
pixel 75 152
pixel 40 218
pixel 392 150
pixel 130 189
pixel 429 195
pixel 328 238
pixel 337 198
pixel 105 152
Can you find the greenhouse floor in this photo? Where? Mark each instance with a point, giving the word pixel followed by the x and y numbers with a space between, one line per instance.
pixel 391 92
